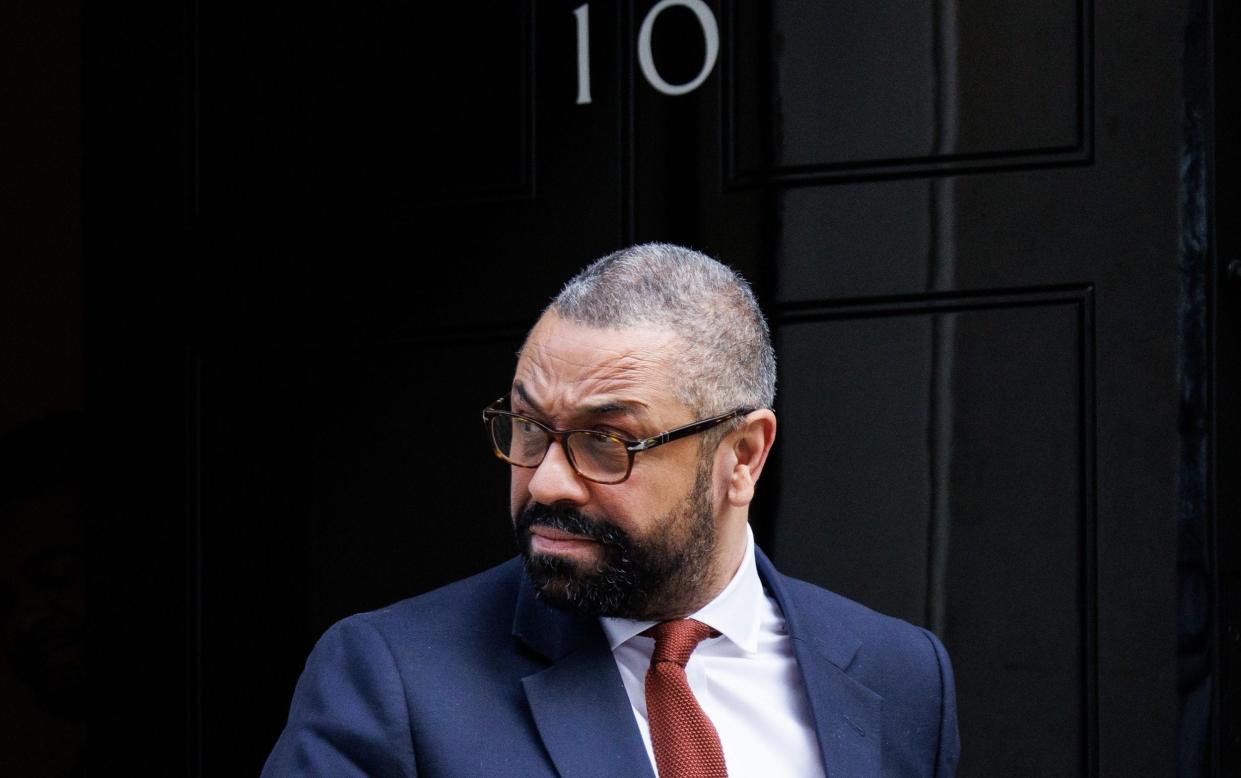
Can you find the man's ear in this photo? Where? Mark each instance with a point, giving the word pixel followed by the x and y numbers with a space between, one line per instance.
pixel 748 447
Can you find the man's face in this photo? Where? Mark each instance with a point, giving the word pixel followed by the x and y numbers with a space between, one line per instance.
pixel 643 548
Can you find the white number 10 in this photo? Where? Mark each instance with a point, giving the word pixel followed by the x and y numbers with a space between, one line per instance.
pixel 646 60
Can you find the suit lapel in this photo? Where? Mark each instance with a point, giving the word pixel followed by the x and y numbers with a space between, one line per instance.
pixel 579 703
pixel 847 715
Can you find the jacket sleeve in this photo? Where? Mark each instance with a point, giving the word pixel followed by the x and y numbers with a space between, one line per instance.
pixel 949 737
pixel 349 716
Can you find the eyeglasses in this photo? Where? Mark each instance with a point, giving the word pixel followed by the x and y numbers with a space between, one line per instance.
pixel 596 456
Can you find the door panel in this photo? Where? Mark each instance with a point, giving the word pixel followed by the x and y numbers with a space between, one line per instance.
pixel 860 88
pixel 933 465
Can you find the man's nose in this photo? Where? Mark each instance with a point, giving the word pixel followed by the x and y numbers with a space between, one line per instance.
pixel 555 480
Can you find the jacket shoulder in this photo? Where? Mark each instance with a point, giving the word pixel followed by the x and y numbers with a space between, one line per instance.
pixel 904 664
pixel 473 606
pixel 880 639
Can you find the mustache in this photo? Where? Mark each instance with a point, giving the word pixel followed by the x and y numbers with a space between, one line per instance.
pixel 568 520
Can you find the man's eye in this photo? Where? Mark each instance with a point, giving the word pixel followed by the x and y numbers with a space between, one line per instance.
pixel 599 441
pixel 615 433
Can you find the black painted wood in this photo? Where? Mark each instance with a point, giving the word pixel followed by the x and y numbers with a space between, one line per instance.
pixel 950 87
pixel 1213 671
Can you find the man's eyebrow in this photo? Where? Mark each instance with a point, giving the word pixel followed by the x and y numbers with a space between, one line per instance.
pixel 521 390
pixel 602 409
pixel 615 406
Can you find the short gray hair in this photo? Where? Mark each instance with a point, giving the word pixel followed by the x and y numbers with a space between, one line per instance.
pixel 728 360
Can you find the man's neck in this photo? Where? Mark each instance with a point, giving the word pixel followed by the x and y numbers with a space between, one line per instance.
pixel 729 553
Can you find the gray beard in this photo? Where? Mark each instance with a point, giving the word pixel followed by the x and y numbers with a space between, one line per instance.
pixel 648 579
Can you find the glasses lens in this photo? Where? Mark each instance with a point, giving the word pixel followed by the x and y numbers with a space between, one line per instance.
pixel 520 441
pixel 598 456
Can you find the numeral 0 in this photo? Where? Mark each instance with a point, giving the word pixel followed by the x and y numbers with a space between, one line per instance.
pixel 646 61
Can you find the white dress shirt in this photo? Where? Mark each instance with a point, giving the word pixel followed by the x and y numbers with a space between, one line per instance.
pixel 747 680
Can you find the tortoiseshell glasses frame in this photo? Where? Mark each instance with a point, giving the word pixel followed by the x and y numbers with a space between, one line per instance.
pixel 601 457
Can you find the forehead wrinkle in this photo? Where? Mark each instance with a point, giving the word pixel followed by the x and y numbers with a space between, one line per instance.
pixel 614 391
pixel 585 377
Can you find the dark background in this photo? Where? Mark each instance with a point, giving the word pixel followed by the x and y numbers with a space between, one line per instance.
pixel 279 256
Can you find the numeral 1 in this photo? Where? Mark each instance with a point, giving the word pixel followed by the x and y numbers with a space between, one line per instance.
pixel 582 12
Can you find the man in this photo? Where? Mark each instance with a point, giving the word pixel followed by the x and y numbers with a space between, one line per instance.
pixel 637 426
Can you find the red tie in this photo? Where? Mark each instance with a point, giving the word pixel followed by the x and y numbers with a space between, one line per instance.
pixel 685 742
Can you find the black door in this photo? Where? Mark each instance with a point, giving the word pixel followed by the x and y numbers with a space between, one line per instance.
pixel 316 235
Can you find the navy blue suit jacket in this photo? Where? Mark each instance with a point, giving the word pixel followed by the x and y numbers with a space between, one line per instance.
pixel 479 679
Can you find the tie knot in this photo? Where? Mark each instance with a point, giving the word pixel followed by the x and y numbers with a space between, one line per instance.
pixel 676 640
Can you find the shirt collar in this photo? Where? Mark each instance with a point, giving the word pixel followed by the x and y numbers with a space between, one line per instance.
pixel 735 612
